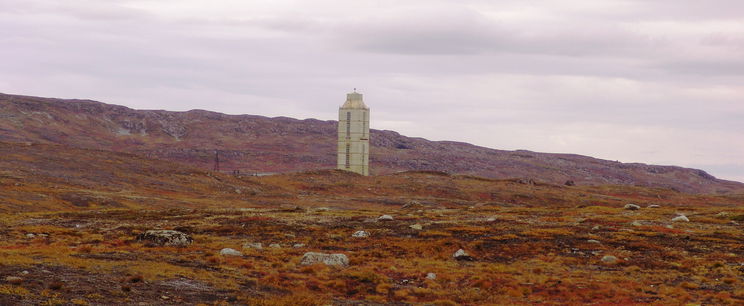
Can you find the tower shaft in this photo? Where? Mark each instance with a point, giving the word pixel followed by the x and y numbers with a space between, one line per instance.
pixel 353 135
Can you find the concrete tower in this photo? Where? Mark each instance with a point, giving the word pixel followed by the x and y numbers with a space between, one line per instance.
pixel 353 135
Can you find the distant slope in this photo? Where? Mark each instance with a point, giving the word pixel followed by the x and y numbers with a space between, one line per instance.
pixel 46 177
pixel 259 144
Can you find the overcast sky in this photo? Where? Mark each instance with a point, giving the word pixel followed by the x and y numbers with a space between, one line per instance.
pixel 658 82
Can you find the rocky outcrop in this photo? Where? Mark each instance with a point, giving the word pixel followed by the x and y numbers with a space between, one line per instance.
pixel 165 238
pixel 311 258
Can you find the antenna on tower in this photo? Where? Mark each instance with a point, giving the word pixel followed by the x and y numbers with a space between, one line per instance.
pixel 216 160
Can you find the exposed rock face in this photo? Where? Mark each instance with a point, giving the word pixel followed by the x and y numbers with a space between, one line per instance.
pixel 257 144
pixel 327 259
pixel 681 218
pixel 165 238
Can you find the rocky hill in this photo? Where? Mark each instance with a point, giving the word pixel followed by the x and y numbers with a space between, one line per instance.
pixel 254 144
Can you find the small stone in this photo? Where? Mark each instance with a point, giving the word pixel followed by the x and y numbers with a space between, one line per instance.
pixel 417 227
pixel 669 226
pixel 653 206
pixel 593 241
pixel 462 255
pixel 298 245
pixel 253 245
pixel 30 235
pixel 321 209
pixel 360 234
pixel 15 280
pixel 609 259
pixel 636 223
pixel 491 219
pixel 275 246
pixel 385 218
pixel 632 207
pixel 596 228
pixel 230 252
pixel 682 218
pixel 431 276
pixel 327 259
pixel 24 272
pixel 165 297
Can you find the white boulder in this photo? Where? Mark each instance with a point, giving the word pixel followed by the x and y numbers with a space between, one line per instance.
pixel 385 218
pixel 360 234
pixel 230 252
pixel 632 207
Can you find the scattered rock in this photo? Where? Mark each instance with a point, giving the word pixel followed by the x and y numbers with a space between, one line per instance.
pixel 653 206
pixel 275 246
pixel 320 209
pixel 461 255
pixel 165 238
pixel 637 223
pixel 570 183
pixel 431 275
pixel 14 280
pixel 596 228
pixel 526 181
pixel 412 205
pixel 360 234
pixel 327 259
pixel 230 252
pixel 385 218
pixel 253 245
pixel 593 241
pixel 417 227
pixel 491 219
pixel 609 259
pixel 669 226
pixel 632 207
pixel 680 218
pixel 30 236
pixel 290 207
pixel 722 214
pixel 298 245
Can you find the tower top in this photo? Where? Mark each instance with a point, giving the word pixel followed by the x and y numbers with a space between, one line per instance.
pixel 354 101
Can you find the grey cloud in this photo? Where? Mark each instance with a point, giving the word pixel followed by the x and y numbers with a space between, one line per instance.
pixel 437 69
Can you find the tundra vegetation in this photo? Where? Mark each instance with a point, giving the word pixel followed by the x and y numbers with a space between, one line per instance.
pixel 74 233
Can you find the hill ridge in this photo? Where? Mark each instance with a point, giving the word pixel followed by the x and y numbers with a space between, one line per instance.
pixel 254 143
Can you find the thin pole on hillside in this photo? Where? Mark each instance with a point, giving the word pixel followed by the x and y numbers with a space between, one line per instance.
pixel 216 160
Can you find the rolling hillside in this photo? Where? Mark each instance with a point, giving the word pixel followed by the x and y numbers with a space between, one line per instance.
pixel 251 144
